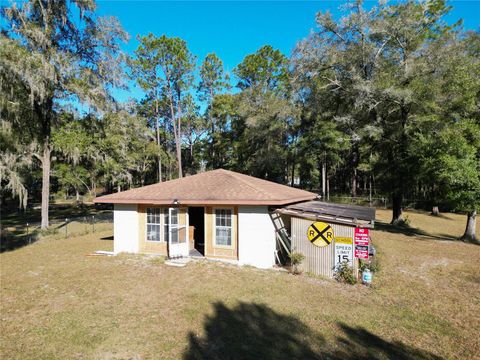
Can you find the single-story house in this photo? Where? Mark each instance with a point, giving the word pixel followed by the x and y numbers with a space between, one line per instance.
pixel 218 214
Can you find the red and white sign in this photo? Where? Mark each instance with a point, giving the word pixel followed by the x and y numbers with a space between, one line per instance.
pixel 361 241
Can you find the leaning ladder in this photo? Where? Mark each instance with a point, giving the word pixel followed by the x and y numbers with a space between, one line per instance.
pixel 284 243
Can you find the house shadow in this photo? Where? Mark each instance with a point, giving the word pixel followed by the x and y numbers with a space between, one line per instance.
pixel 255 331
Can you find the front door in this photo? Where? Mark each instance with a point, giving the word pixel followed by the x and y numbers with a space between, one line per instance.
pixel 177 234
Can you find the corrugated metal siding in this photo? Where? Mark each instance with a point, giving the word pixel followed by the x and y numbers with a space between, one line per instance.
pixel 318 260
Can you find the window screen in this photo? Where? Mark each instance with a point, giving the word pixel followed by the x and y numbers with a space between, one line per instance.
pixel 174 228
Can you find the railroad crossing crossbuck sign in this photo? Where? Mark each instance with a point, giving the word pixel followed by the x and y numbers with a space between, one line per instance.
pixel 320 234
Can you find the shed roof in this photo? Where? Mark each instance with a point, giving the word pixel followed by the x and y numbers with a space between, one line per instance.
pixel 340 213
pixel 216 187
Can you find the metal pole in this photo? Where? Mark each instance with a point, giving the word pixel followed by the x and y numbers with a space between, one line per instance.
pixel 28 237
pixel 66 227
pixel 93 222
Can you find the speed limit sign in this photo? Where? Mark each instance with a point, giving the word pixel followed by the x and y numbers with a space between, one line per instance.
pixel 343 250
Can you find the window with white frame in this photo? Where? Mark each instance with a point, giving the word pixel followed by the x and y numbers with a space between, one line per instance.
pixel 223 227
pixel 153 224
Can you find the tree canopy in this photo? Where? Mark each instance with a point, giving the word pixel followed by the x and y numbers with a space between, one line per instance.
pixel 383 102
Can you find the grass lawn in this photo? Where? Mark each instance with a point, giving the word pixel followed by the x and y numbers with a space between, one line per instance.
pixel 66 219
pixel 58 303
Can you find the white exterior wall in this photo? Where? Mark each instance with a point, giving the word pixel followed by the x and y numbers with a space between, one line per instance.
pixel 256 237
pixel 125 228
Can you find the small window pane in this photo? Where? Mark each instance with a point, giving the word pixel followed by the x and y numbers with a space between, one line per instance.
pixel 223 236
pixel 153 232
pixel 174 216
pixel 174 235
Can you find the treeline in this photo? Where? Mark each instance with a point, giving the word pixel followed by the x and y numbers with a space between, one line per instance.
pixel 384 101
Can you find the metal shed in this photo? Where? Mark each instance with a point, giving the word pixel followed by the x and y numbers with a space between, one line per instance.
pixel 342 218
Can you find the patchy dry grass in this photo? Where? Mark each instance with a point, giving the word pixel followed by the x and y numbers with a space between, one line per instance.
pixel 58 303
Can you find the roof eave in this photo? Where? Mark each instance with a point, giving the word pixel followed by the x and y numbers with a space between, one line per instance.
pixel 107 200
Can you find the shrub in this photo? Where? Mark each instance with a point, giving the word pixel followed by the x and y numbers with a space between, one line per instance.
pixel 373 265
pixel 344 273
pixel 405 221
pixel 296 259
pixel 157 260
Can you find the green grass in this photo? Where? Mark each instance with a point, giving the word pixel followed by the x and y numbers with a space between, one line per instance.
pixel 20 228
pixel 58 212
pixel 58 303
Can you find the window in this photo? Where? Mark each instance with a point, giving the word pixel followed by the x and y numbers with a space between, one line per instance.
pixel 153 224
pixel 223 227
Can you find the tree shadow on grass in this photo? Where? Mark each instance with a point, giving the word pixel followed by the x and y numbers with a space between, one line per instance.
pixel 10 241
pixel 411 231
pixel 359 343
pixel 255 331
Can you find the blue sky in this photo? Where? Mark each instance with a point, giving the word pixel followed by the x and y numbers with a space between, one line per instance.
pixel 234 29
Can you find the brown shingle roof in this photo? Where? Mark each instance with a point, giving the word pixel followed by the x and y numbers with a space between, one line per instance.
pixel 219 187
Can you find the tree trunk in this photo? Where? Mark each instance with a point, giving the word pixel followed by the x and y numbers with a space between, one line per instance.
pixel 77 195
pixel 469 235
pixel 45 183
pixel 354 183
pixel 176 133
pixel 214 158
pixel 292 182
pixel 157 129
pixel 370 190
pixel 324 180
pixel 328 189
pixel 435 211
pixel 399 173
pixel 179 147
pixel 397 201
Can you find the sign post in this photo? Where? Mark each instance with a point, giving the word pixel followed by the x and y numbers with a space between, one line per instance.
pixel 343 251
pixel 361 242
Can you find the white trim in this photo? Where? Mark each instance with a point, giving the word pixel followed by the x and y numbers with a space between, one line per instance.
pixel 256 237
pixel 182 246
pixel 125 229
pixel 187 225
pixel 205 239
pixel 215 245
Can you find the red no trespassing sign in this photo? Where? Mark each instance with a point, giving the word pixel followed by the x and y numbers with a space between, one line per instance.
pixel 361 241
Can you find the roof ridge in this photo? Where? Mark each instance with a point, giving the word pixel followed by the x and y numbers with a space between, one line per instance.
pixel 163 182
pixel 218 186
pixel 242 179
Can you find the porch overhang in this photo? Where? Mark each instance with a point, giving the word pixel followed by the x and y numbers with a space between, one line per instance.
pixel 344 214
